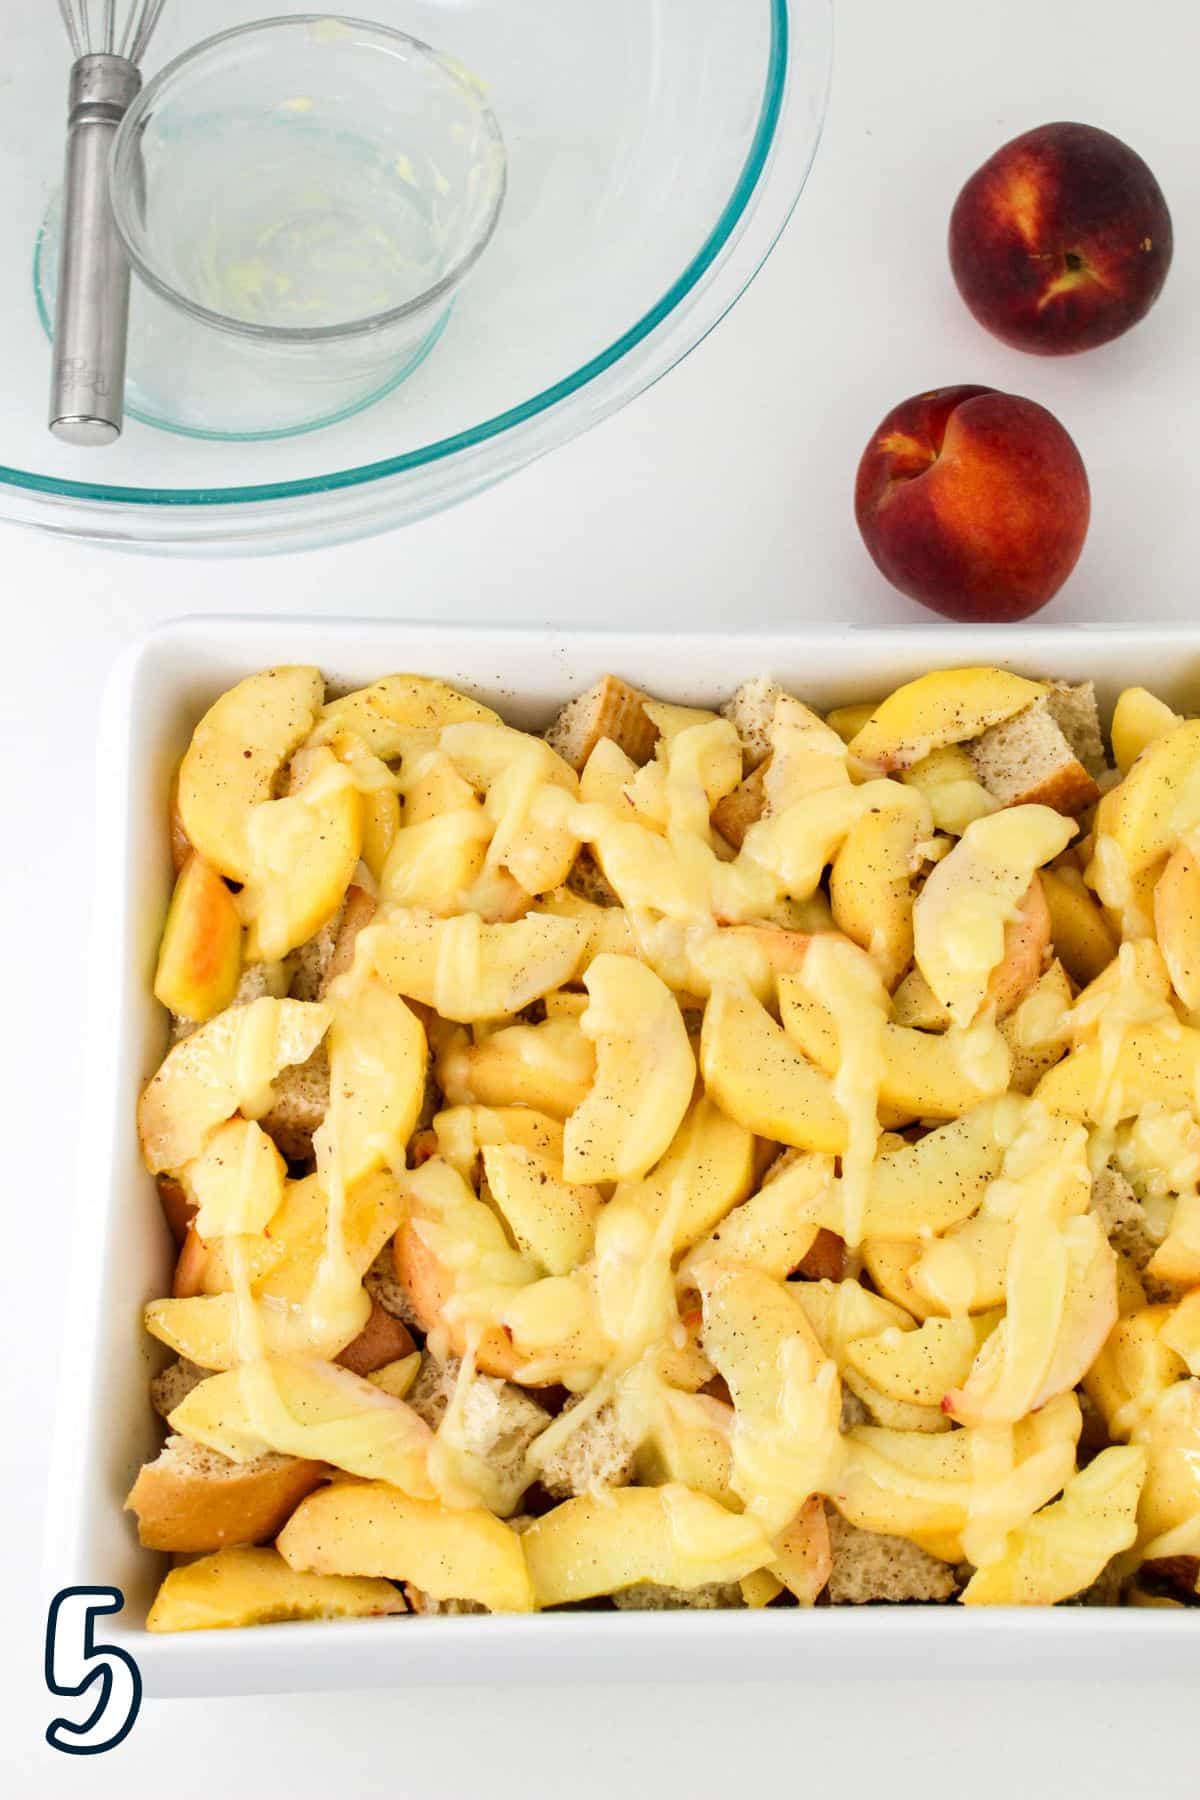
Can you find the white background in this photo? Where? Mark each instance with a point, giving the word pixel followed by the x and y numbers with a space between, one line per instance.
pixel 722 496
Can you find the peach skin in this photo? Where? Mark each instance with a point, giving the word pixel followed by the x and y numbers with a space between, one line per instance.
pixel 1061 241
pixel 973 502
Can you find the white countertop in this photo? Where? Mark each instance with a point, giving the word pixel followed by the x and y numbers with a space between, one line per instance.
pixel 723 495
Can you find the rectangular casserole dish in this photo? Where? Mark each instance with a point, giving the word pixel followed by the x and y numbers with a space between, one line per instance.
pixel 122 1254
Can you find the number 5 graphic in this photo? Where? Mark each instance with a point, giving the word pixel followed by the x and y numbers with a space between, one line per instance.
pixel 76 1662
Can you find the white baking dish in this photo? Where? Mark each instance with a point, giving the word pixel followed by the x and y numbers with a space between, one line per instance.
pixel 122 1255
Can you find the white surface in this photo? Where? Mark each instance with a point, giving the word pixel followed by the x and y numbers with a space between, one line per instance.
pixel 123 1256
pixel 723 497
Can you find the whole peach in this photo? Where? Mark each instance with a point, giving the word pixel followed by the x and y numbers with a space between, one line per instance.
pixel 1061 241
pixel 973 502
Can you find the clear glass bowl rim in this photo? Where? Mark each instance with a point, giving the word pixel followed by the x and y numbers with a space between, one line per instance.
pixel 110 499
pixel 152 94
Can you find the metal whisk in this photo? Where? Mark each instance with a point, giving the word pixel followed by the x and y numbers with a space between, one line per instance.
pixel 91 323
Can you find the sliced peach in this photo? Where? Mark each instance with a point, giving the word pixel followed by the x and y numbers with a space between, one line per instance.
pixel 373 1529
pixel 1026 941
pixel 237 750
pixel 645 1072
pixel 1158 801
pixel 181 843
pixel 1177 922
pixel 848 721
pixel 961 914
pixel 549 1067
pixel 461 1132
pixel 377 1065
pixel 552 1220
pixel 467 970
pixel 949 706
pixel 1084 940
pixel 1133 1369
pixel 200 958
pixel 754 1072
pixel 1065 1547
pixel 961 1491
pixel 870 889
pixel 1061 1304
pixel 1139 720
pixel 226 1066
pixel 303 851
pixel 383 1342
pixel 602 1543
pixel 803 1553
pixel 1155 1066
pixel 925 1075
pixel 300 1406
pixel 245 1586
pixel 402 711
pixel 453 1246
pixel 918 1367
pixel 786 1393
pixel 237 1181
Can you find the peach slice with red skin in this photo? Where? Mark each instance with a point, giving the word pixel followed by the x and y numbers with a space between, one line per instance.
pixel 200 958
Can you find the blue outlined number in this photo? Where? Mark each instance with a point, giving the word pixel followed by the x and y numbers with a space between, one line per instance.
pixel 76 1662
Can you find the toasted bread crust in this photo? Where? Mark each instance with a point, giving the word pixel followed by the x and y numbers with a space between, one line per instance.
pixel 203 1502
pixel 610 709
pixel 383 1339
pixel 737 812
pixel 1028 761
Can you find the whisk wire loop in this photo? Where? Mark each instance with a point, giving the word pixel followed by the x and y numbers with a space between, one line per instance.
pixel 99 27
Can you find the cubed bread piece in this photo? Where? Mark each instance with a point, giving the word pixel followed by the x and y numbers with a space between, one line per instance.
pixel 301 1100
pixel 1105 1590
pixel 1175 1577
pixel 1123 1217
pixel 854 1411
pixel 1027 760
pixel 381 1283
pixel 383 1339
pixel 427 1607
pixel 611 709
pixel 499 1421
pixel 871 1566
pixel 649 1596
pixel 256 982
pixel 598 1455
pixel 737 812
pixel 587 880
pixel 356 914
pixel 260 981
pixel 173 1384
pixel 310 964
pixel 1073 709
pixel 192 1498
pixel 750 711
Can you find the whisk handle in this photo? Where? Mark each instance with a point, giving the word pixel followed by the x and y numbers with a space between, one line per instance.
pixel 87 393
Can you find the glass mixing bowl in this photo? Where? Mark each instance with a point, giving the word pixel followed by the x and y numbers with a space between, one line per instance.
pixel 656 149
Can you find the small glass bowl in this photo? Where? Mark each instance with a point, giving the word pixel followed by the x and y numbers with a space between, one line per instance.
pixel 301 199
